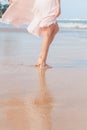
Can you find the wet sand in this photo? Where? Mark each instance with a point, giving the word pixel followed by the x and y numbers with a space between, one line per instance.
pixel 34 99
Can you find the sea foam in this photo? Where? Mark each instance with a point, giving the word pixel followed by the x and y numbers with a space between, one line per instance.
pixel 73 23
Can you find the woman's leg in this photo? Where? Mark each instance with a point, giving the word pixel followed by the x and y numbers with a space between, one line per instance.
pixel 48 36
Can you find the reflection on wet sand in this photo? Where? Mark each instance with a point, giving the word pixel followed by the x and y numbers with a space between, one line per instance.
pixel 31 114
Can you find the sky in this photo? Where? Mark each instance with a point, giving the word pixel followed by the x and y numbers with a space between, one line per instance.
pixel 4 1
pixel 71 8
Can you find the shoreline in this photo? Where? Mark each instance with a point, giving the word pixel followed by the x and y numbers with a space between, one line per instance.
pixel 31 98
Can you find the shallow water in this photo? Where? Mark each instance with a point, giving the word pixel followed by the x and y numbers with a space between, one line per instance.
pixel 30 98
pixel 69 48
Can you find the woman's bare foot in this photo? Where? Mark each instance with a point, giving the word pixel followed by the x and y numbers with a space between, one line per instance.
pixel 42 64
pixel 39 60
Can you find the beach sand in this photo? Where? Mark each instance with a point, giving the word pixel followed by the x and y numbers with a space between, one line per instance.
pixel 34 99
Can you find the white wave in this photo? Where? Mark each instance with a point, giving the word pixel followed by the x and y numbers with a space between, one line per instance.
pixel 73 19
pixel 73 25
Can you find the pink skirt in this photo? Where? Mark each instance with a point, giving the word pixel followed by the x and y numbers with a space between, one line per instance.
pixel 34 13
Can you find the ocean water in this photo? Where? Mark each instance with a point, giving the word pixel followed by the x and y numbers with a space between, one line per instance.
pixel 63 23
pixel 73 23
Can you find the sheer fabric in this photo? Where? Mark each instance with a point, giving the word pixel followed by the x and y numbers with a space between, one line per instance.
pixel 34 13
